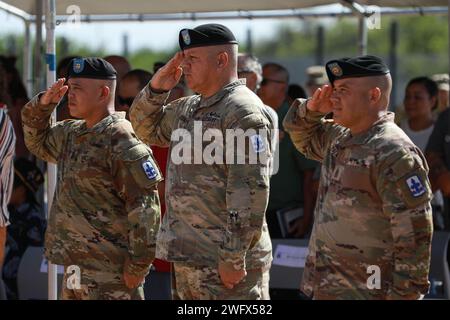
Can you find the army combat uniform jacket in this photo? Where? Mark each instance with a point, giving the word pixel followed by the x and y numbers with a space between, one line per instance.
pixel 373 225
pixel 106 206
pixel 215 212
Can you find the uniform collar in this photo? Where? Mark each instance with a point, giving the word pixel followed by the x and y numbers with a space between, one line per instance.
pixel 100 126
pixel 207 102
pixel 364 137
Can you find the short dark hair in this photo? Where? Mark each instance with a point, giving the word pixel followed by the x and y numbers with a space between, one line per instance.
pixel 278 68
pixel 158 65
pixel 4 95
pixel 429 85
pixel 296 91
pixel 16 87
pixel 141 75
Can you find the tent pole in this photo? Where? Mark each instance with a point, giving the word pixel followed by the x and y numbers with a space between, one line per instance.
pixel 393 65
pixel 50 58
pixel 37 54
pixel 359 12
pixel 320 49
pixel 362 41
pixel 28 59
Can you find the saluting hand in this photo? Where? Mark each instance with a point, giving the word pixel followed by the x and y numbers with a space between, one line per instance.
pixel 169 75
pixel 55 93
pixel 320 100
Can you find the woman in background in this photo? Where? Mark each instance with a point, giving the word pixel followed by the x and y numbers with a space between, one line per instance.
pixel 421 97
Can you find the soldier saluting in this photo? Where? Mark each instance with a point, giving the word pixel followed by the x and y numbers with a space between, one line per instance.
pixel 106 211
pixel 214 230
pixel 373 212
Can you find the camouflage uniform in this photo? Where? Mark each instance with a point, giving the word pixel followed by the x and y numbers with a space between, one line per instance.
pixel 214 212
pixel 373 209
pixel 106 207
pixel 203 283
pixel 100 285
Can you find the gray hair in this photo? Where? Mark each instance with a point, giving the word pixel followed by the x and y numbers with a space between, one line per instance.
pixel 249 63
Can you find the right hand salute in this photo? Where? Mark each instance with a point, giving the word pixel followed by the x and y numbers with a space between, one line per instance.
pixel 168 76
pixel 320 100
pixel 55 93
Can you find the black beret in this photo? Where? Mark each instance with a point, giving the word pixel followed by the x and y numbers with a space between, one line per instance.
pixel 205 35
pixel 92 68
pixel 362 66
pixel 27 174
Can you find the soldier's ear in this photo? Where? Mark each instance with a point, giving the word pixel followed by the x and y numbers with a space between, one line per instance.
pixel 222 59
pixel 375 95
pixel 105 91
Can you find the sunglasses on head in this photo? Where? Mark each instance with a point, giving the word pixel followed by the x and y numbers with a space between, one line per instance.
pixel 125 101
pixel 266 81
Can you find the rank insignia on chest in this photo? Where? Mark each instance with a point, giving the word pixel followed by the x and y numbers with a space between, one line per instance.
pixel 415 186
pixel 211 117
pixel 149 170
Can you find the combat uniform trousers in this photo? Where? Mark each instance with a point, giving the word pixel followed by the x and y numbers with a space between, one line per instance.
pixel 97 285
pixel 204 283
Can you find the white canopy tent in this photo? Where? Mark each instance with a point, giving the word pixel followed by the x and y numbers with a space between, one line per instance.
pixel 32 11
pixel 89 7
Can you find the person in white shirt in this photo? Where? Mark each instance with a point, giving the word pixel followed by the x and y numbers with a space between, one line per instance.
pixel 421 97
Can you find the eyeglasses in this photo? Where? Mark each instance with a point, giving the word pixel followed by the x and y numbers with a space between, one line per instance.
pixel 125 101
pixel 245 71
pixel 266 80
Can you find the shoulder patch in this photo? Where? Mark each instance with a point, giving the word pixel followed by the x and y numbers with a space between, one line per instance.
pixel 258 143
pixel 410 175
pixel 150 170
pixel 415 186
